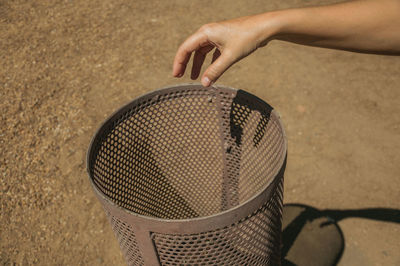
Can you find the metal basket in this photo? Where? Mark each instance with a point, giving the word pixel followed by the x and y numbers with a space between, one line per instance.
pixel 189 175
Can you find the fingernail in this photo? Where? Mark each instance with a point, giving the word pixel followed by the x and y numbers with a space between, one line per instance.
pixel 206 82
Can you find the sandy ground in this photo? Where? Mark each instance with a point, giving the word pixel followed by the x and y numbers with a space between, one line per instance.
pixel 66 65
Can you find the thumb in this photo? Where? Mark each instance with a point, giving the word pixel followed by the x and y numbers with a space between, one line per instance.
pixel 216 69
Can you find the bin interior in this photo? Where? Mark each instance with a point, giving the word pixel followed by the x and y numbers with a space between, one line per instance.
pixel 187 153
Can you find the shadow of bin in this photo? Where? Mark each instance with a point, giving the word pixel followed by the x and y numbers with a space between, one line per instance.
pixel 189 175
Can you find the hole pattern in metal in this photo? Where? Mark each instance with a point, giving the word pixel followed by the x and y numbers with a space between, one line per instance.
pixel 254 240
pixel 127 241
pixel 190 152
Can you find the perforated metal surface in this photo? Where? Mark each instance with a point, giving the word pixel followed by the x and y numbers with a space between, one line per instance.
pixel 253 240
pixel 127 240
pixel 192 175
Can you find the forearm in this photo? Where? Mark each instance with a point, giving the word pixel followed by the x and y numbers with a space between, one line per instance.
pixel 370 26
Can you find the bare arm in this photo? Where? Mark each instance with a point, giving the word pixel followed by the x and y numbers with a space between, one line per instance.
pixel 368 26
pixel 371 26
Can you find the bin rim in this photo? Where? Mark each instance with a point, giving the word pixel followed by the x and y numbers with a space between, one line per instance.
pixel 237 212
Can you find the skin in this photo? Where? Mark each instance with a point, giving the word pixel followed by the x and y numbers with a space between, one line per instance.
pixel 365 26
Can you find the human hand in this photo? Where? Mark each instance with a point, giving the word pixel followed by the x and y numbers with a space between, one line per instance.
pixel 360 26
pixel 232 40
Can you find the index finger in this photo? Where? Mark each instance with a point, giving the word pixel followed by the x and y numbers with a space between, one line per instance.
pixel 184 52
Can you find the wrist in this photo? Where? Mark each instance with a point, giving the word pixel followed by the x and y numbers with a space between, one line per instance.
pixel 278 24
pixel 272 24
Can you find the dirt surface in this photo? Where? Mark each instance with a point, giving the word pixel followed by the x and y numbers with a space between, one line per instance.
pixel 66 65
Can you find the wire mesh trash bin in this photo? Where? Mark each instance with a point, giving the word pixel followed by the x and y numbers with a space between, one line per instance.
pixel 189 175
